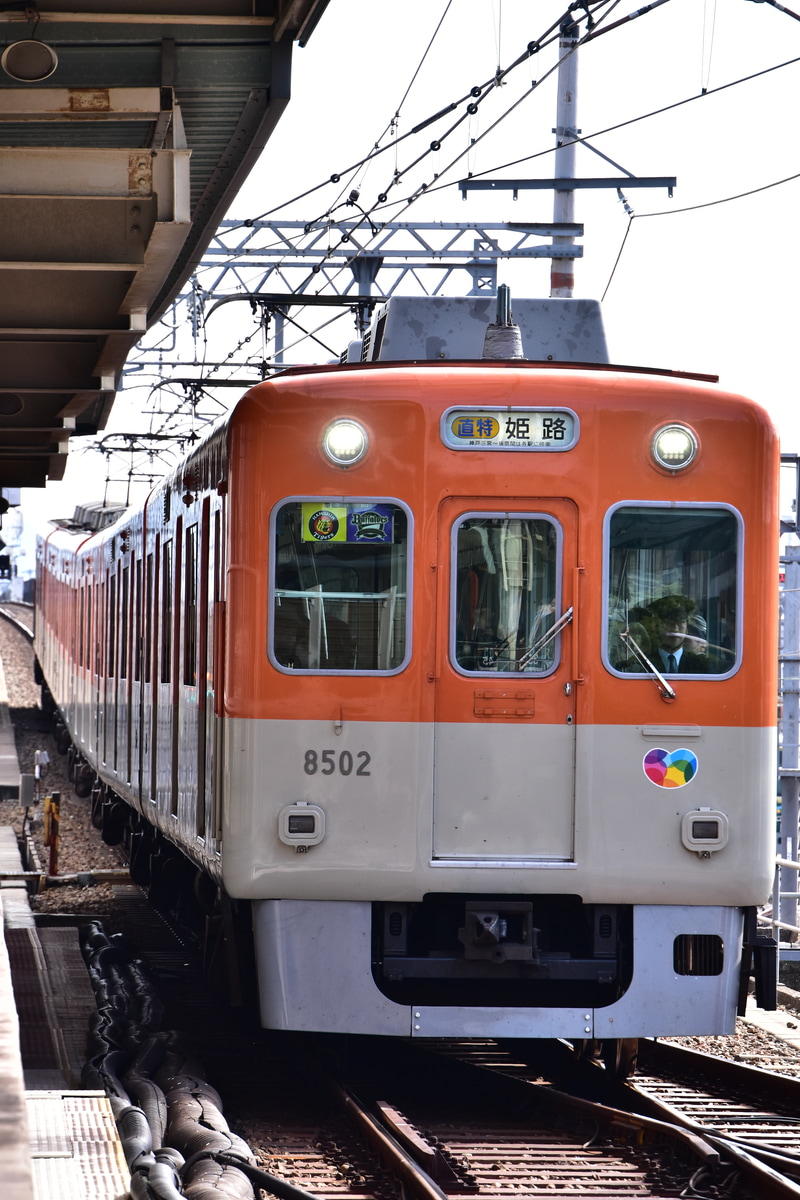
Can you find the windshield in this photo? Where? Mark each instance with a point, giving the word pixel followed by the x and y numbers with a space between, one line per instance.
pixel 340 586
pixel 672 589
pixel 505 595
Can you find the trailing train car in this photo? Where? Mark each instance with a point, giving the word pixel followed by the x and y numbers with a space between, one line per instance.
pixel 458 676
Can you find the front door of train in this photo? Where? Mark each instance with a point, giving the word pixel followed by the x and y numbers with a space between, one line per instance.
pixel 504 751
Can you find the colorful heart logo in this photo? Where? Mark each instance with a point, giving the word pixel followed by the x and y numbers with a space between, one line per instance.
pixel 670 768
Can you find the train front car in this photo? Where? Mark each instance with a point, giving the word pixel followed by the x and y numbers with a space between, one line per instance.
pixel 500 698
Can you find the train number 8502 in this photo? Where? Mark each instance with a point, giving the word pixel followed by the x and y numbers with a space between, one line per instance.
pixel 327 762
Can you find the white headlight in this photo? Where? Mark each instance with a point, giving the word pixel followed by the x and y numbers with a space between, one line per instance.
pixel 344 442
pixel 674 447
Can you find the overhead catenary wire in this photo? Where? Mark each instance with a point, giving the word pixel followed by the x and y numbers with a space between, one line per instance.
pixel 392 125
pixel 475 93
pixel 706 69
pixel 674 212
pixel 533 47
pixel 644 116
pixel 585 7
pixel 437 186
pixel 655 112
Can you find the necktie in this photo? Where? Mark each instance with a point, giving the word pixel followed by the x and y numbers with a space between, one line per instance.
pixel 673 664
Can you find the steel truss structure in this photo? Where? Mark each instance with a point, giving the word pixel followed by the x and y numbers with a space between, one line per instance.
pixel 284 269
pixel 357 255
pixel 286 265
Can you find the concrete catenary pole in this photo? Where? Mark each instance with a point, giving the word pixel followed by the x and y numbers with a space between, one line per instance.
pixel 562 272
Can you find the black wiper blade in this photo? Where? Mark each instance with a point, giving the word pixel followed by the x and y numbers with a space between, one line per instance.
pixel 665 690
pixel 545 640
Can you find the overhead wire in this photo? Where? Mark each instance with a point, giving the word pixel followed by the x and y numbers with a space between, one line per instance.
pixel 656 112
pixel 533 47
pixel 592 29
pixel 674 212
pixel 478 90
pixel 433 187
pixel 477 94
pixel 705 74
pixel 634 120
pixel 392 124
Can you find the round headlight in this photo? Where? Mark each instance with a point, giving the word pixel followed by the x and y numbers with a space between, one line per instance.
pixel 345 442
pixel 674 447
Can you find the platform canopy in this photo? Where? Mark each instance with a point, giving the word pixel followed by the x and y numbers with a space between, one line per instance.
pixel 125 132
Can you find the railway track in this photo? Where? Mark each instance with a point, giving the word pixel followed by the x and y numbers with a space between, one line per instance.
pixel 19 615
pixel 745 1107
pixel 495 1132
pixel 369 1119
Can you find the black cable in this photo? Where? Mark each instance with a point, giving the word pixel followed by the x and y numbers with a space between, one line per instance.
pixel 420 65
pixel 271 1183
pixel 617 259
pixel 623 124
pixel 692 208
pixel 532 48
pixel 478 96
pixel 476 93
pixel 656 112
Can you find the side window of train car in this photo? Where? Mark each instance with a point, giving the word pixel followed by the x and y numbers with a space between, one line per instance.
pixel 340 583
pixel 505 593
pixel 673 590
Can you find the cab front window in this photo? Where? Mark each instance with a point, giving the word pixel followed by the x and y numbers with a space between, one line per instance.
pixel 340 586
pixel 673 590
pixel 505 593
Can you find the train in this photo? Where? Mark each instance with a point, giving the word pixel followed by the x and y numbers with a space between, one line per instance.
pixel 381 675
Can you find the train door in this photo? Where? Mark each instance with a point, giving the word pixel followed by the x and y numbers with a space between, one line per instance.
pixel 135 690
pixel 163 706
pixel 149 672
pixel 109 679
pixel 98 628
pixel 210 609
pixel 122 762
pixel 504 750
pixel 80 676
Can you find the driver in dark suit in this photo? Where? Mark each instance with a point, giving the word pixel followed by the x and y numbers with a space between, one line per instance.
pixel 673 650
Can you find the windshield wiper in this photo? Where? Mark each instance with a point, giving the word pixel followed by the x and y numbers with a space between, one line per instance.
pixel 666 692
pixel 545 640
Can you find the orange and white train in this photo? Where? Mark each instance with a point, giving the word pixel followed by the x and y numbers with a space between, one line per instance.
pixel 374 666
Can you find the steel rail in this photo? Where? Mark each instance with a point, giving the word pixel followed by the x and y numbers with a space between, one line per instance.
pixel 15 620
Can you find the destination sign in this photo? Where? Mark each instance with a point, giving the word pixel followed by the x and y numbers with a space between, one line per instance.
pixel 509 429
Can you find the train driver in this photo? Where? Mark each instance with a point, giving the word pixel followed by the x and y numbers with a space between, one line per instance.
pixel 675 648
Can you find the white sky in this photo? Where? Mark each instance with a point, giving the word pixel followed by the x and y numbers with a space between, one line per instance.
pixel 710 289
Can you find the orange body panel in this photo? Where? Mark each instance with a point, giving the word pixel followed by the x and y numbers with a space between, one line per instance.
pixel 275 453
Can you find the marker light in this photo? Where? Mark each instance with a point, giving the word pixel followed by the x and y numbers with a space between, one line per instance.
pixel 674 447
pixel 344 442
